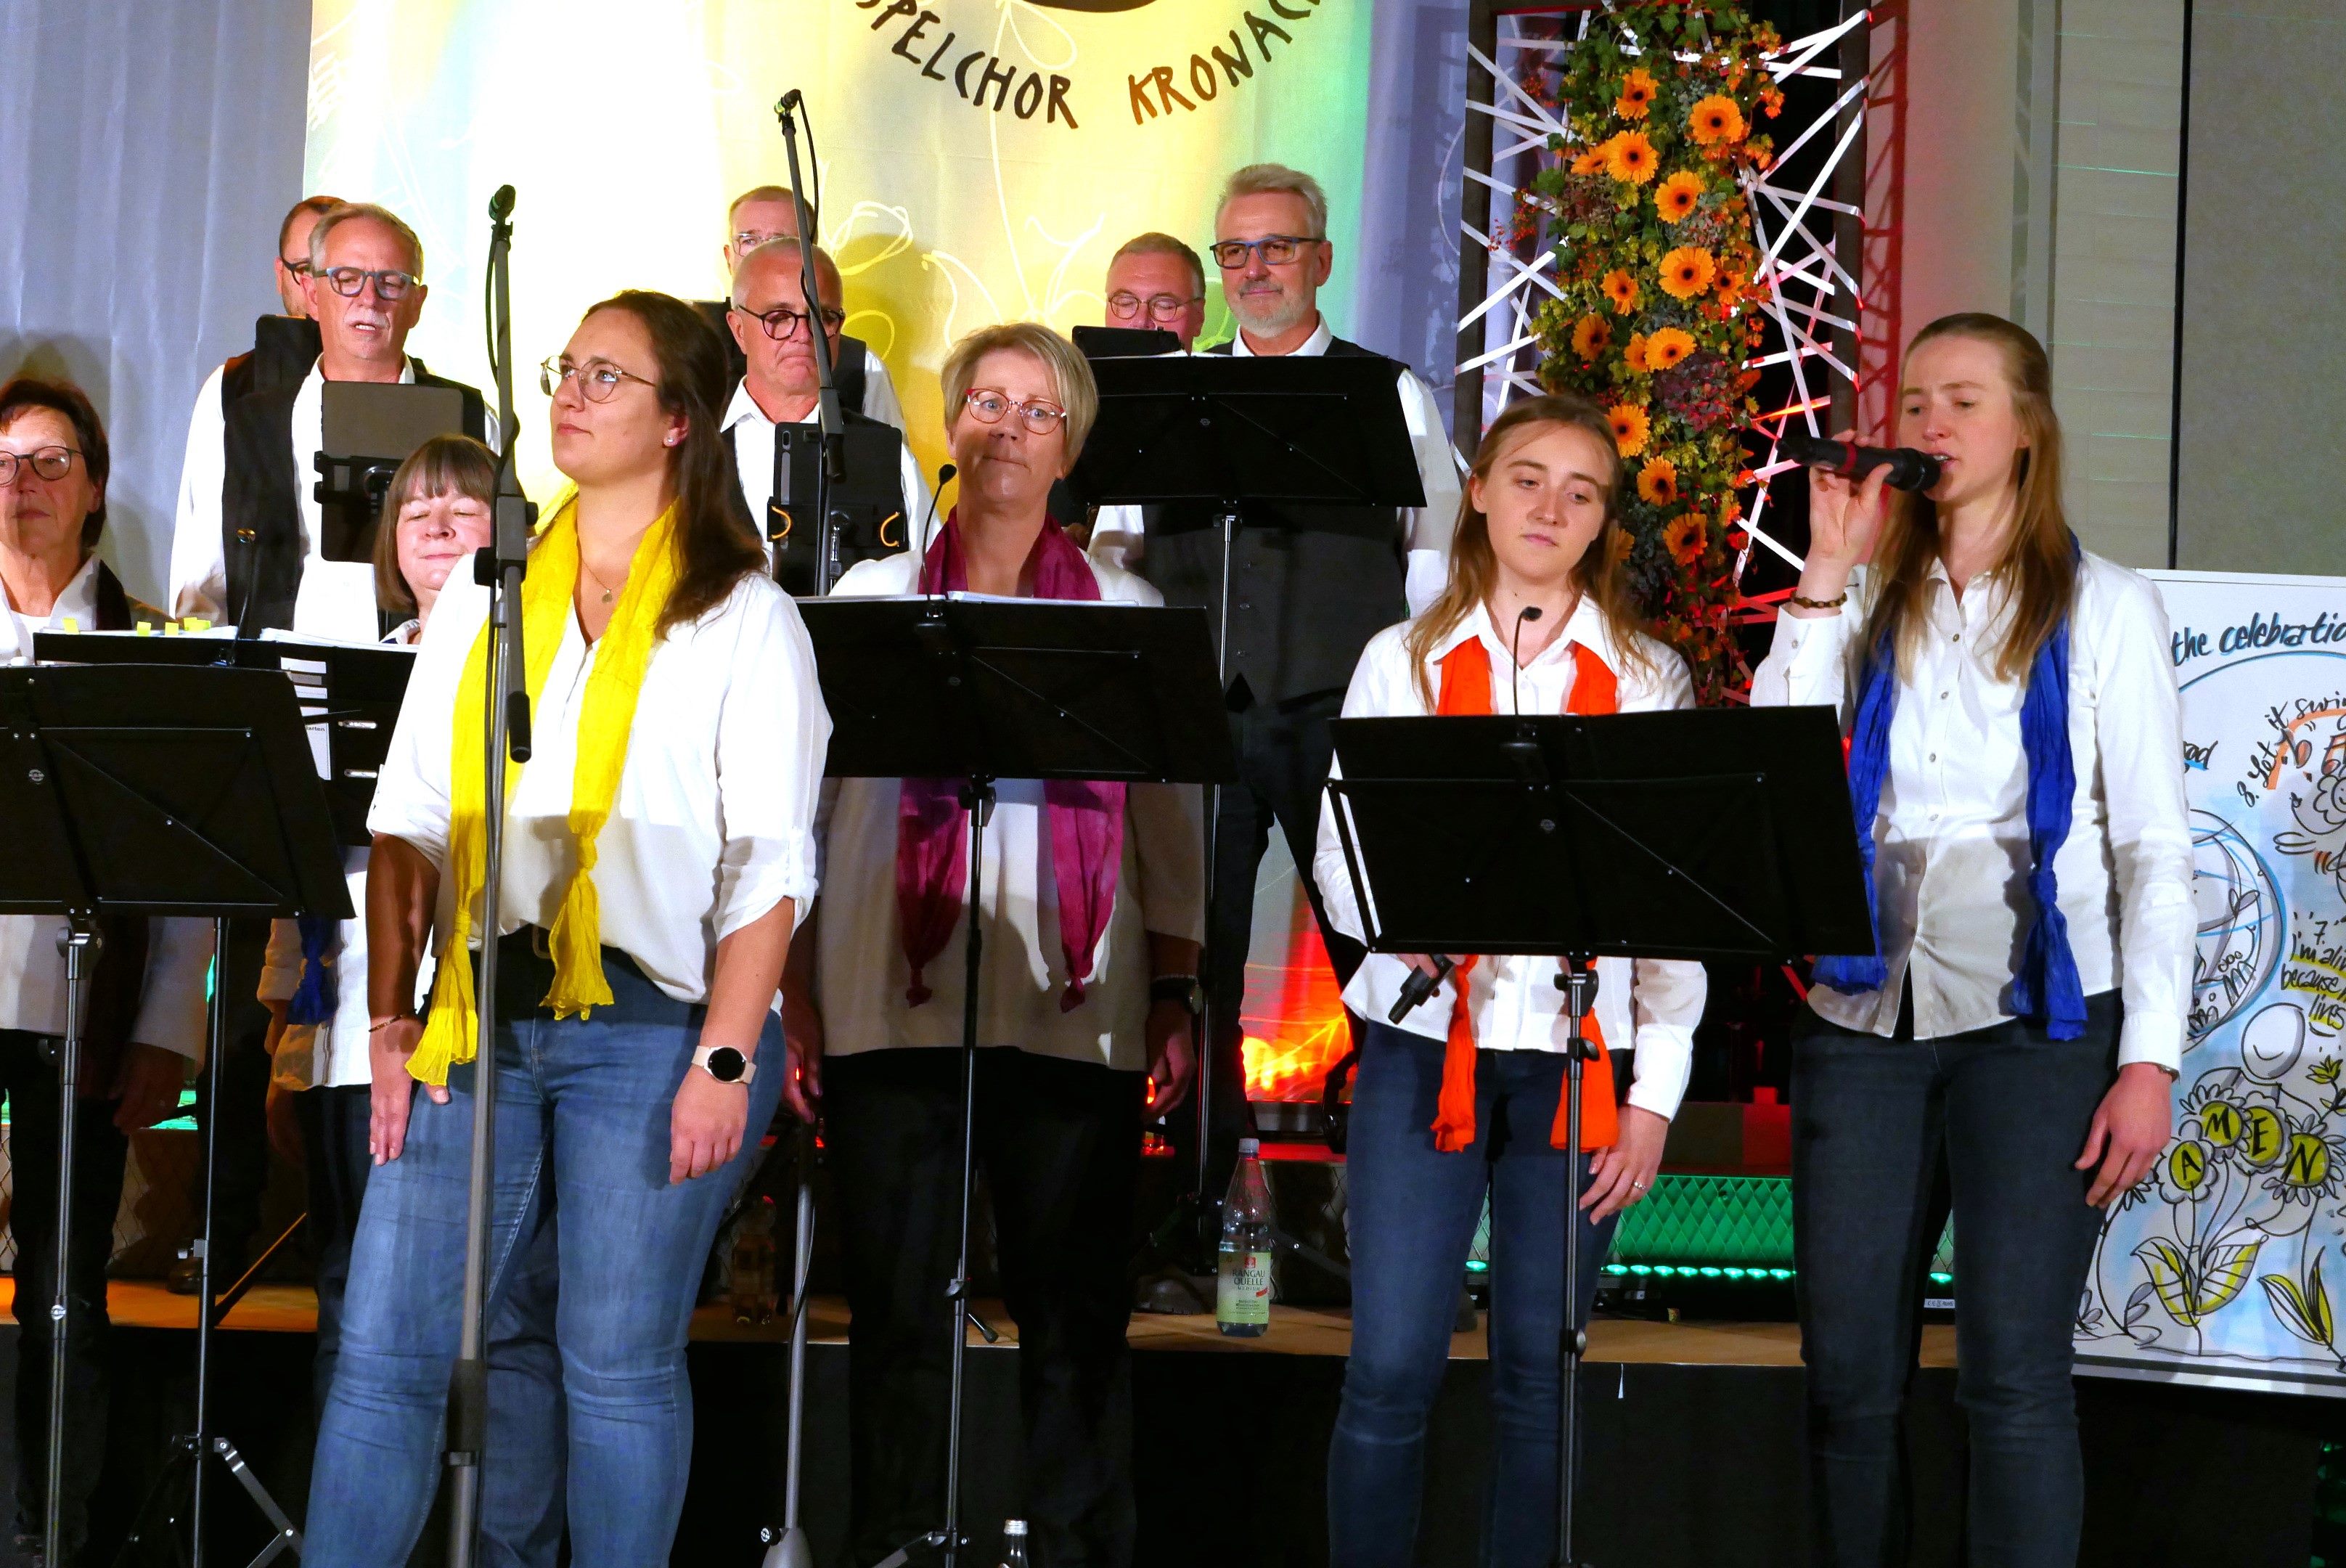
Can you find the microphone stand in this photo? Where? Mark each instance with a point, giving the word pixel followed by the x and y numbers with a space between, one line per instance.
pixel 834 423
pixel 500 567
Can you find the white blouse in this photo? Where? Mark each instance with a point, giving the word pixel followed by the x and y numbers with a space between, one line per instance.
pixel 713 824
pixel 860 973
pixel 1650 1005
pixel 1952 839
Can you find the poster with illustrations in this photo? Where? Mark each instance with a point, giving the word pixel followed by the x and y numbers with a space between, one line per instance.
pixel 2227 1265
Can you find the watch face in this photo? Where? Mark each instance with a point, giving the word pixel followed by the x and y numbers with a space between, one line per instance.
pixel 724 1064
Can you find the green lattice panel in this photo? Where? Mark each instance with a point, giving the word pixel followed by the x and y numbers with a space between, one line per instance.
pixel 1716 1221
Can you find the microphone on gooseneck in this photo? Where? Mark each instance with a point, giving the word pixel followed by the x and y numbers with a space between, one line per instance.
pixel 1516 657
pixel 945 471
pixel 1908 469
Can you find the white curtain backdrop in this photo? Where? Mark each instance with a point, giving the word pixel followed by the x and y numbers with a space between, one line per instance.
pixel 147 149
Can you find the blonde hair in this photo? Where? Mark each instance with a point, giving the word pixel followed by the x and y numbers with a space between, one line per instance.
pixel 1599 574
pixel 350 212
pixel 1071 373
pixel 2038 563
pixel 1278 180
pixel 1156 244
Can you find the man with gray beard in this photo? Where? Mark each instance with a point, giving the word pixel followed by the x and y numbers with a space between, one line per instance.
pixel 1309 586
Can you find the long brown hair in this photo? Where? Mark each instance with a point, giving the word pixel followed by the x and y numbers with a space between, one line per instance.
pixel 2039 563
pixel 716 541
pixel 1598 574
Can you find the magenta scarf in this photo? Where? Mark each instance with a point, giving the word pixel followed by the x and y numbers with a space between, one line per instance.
pixel 933 827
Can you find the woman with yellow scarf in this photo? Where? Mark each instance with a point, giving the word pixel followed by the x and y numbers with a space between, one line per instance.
pixel 657 846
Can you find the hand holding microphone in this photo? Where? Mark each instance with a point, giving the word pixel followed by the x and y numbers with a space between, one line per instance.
pixel 1422 982
pixel 1845 511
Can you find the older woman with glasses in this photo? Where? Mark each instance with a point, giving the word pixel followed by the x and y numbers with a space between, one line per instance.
pixel 658 846
pixel 1094 902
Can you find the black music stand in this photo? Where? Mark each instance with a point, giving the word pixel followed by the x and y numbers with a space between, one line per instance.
pixel 1644 835
pixel 986 689
pixel 158 791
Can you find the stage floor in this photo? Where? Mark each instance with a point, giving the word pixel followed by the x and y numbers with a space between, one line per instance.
pixel 1294 1330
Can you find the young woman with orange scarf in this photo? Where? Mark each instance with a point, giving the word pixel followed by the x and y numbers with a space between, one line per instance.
pixel 1462 1100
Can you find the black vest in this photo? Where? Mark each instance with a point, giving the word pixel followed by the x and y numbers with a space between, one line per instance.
pixel 284 349
pixel 118 979
pixel 1310 586
pixel 850 371
pixel 262 489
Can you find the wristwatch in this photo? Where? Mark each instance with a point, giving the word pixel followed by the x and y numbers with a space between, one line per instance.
pixel 725 1063
pixel 1181 988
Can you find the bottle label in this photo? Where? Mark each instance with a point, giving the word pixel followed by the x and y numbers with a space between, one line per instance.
pixel 1243 1294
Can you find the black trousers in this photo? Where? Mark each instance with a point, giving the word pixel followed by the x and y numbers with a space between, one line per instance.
pixel 334 1140
pixel 1059 1146
pixel 1284 751
pixel 243 1111
pixel 28 1073
pixel 1885 1135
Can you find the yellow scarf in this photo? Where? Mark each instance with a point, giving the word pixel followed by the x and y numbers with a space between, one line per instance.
pixel 606 715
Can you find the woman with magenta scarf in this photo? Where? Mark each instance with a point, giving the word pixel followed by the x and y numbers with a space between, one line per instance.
pixel 1093 903
pixel 2016 770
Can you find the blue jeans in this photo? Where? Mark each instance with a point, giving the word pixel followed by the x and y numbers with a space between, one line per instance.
pixel 583 1111
pixel 1884 1132
pixel 1412 1215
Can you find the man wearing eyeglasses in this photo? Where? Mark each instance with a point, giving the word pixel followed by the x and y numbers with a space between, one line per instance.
pixel 364 289
pixel 1155 283
pixel 759 216
pixel 1308 588
pixel 780 383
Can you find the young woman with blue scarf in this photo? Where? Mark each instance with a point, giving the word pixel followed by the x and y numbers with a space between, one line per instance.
pixel 2016 770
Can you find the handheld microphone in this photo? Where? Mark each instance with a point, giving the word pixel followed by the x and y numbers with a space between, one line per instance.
pixel 945 471
pixel 1419 986
pixel 1908 469
pixel 501 205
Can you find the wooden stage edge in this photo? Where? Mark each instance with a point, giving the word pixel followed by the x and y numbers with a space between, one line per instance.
pixel 1294 1330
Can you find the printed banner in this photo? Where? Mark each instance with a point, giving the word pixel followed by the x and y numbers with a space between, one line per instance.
pixel 980 160
pixel 2227 1265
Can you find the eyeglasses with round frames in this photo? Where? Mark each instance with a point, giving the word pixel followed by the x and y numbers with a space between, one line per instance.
pixel 598 380
pixel 1276 250
pixel 988 406
pixel 45 461
pixel 782 323
pixel 390 286
pixel 748 240
pixel 1125 305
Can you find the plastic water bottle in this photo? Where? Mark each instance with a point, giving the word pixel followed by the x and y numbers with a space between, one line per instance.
pixel 1242 1293
pixel 1013 1544
pixel 754 1282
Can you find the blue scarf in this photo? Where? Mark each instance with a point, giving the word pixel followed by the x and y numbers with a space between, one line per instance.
pixel 2046 986
pixel 315 999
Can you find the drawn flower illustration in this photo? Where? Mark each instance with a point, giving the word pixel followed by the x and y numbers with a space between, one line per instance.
pixel 2303 1306
pixel 2312 1165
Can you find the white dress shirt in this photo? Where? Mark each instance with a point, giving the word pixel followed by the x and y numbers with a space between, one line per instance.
pixel 753 460
pixel 879 398
pixel 336 600
pixel 1118 533
pixel 31 969
pixel 861 971
pixel 1952 856
pixel 1650 1005
pixel 713 824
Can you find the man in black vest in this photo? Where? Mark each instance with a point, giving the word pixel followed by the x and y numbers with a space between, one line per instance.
pixel 768 324
pixel 1309 586
pixel 250 552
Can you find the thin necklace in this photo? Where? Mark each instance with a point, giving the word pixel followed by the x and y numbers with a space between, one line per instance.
pixel 596 576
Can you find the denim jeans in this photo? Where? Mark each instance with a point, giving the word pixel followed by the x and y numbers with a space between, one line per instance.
pixel 583 1111
pixel 1412 1215
pixel 1885 1134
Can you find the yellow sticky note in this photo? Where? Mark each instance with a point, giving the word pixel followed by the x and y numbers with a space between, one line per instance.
pixel 145 628
pixel 73 623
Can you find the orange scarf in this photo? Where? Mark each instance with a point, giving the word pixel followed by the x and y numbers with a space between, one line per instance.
pixel 1466 690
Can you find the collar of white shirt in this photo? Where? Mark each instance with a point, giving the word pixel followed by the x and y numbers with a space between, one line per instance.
pixel 1586 625
pixel 1312 348
pixel 743 408
pixel 78 603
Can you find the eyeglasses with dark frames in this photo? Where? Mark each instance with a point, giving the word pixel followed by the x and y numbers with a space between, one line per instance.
pixel 350 282
pixel 1276 250
pixel 298 266
pixel 988 405
pixel 598 380
pixel 782 323
pixel 1125 305
pixel 45 461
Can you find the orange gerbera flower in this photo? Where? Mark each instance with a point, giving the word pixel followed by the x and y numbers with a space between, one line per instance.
pixel 1677 196
pixel 1685 538
pixel 1631 428
pixel 1637 90
pixel 1657 482
pixel 1590 335
pixel 1590 162
pixel 1714 120
pixel 1622 289
pixel 1688 272
pixel 1667 346
pixel 1636 353
pixel 1630 158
